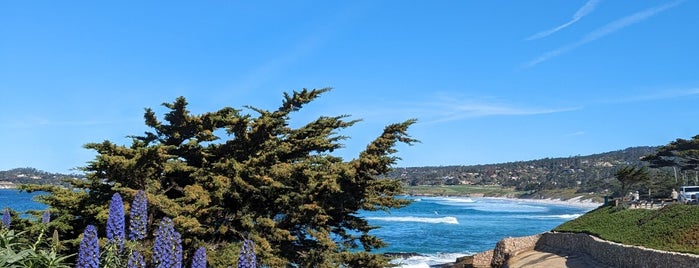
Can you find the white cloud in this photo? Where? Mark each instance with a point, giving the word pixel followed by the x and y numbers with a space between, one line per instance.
pixel 604 31
pixel 446 107
pixel 582 12
pixel 454 109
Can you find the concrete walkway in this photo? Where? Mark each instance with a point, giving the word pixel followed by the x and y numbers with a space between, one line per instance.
pixel 540 259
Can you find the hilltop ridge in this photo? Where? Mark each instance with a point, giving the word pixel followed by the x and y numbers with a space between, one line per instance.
pixel 591 173
pixel 587 173
pixel 9 179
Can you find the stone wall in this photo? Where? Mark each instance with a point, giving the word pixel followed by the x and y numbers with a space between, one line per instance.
pixel 511 246
pixel 480 260
pixel 613 254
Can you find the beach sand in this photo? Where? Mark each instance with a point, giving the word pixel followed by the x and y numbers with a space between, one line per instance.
pixel 575 201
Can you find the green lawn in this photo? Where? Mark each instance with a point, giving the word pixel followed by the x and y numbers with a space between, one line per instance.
pixel 462 190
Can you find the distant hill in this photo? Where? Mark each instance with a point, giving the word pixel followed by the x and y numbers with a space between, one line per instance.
pixel 13 177
pixel 587 173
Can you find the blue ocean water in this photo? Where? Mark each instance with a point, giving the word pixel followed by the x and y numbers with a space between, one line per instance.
pixel 441 229
pixel 438 229
pixel 19 201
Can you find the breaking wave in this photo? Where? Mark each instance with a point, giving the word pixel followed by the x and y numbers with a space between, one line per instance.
pixel 445 220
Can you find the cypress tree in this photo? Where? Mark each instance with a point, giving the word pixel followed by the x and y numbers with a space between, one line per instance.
pixel 226 176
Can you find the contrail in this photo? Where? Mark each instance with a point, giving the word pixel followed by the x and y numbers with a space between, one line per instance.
pixel 604 31
pixel 582 12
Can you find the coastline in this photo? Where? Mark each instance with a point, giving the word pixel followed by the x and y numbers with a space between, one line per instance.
pixel 574 202
pixel 577 201
pixel 499 202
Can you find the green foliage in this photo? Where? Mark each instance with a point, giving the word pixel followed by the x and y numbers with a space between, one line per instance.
pixel 672 228
pixel 681 152
pixel 225 176
pixel 16 250
pixel 677 158
pixel 629 176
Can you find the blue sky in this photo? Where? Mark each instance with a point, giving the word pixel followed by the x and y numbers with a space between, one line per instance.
pixel 488 81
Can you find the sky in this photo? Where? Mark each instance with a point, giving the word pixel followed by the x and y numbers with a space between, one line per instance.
pixel 488 81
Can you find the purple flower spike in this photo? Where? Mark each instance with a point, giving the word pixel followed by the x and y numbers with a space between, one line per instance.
pixel 136 260
pixel 199 259
pixel 89 254
pixel 115 222
pixel 6 218
pixel 247 258
pixel 46 217
pixel 167 250
pixel 138 216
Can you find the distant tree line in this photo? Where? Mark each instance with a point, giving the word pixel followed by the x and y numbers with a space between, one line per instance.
pixel 592 173
pixel 29 175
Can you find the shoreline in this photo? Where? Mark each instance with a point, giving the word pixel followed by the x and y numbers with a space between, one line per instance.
pixel 573 202
pixel 406 259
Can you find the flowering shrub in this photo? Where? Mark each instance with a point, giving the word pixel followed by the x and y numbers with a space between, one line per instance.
pixel 167 251
pixel 167 248
pixel 136 260
pixel 6 218
pixel 88 257
pixel 139 216
pixel 46 217
pixel 115 222
pixel 247 257
pixel 199 259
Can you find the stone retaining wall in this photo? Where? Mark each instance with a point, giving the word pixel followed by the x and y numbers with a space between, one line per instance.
pixel 511 246
pixel 613 254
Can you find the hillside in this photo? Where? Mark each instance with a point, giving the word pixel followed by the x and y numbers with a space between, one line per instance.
pixel 592 173
pixel 672 228
pixel 13 177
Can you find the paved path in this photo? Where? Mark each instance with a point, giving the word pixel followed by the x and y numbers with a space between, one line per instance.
pixel 540 259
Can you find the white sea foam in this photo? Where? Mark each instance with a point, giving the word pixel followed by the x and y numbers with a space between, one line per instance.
pixel 427 260
pixel 456 199
pixel 504 206
pixel 562 216
pixel 446 220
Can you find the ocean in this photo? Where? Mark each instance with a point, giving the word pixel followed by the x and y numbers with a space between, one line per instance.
pixel 437 230
pixel 432 230
pixel 19 201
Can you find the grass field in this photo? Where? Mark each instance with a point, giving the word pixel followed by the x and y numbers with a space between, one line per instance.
pixel 463 190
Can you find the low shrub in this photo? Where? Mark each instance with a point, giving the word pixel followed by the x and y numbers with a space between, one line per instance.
pixel 672 228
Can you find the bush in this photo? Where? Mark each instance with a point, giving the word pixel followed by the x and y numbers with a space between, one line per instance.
pixel 672 228
pixel 167 250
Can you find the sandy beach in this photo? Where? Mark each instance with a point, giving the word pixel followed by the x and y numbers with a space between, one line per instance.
pixel 577 201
